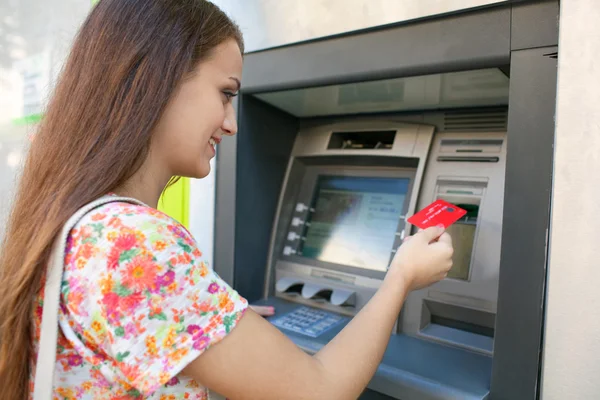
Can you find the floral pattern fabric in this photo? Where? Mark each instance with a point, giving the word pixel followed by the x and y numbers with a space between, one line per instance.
pixel 138 305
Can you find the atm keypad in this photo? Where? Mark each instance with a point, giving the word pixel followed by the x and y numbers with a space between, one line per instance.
pixel 308 321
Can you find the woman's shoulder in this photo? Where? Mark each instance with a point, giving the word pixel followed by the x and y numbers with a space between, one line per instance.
pixel 111 214
pixel 118 232
pixel 121 217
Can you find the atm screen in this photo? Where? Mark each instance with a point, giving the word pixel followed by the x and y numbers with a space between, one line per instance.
pixel 354 221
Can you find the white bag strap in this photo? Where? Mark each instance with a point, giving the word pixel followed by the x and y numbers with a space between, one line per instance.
pixel 46 358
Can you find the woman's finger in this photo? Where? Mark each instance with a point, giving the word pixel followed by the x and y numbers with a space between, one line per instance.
pixel 264 311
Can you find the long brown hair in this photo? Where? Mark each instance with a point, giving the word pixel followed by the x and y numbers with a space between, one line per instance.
pixel 126 62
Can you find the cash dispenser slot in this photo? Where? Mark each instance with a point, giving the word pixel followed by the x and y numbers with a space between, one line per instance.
pixel 459 325
pixel 462 325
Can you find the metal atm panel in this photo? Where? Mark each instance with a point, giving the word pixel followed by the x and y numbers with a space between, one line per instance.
pixel 466 169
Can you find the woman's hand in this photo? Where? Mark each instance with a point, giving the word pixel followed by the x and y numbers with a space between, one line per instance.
pixel 423 259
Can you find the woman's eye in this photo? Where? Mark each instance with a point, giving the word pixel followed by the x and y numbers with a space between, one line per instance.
pixel 229 95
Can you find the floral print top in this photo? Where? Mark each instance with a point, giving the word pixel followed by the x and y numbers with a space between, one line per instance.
pixel 138 304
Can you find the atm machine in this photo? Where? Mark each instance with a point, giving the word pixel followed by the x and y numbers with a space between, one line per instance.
pixel 342 139
pixel 342 212
pixel 348 190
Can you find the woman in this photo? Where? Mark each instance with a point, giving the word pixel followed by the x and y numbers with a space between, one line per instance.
pixel 145 96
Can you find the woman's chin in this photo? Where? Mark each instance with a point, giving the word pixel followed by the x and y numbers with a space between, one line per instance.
pixel 203 171
pixel 200 170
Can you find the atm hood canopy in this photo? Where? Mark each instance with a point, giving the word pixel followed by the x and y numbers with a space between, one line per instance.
pixel 477 88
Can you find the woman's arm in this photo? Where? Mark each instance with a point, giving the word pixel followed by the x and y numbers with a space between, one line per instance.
pixel 256 361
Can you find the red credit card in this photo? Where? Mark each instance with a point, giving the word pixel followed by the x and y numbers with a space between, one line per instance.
pixel 439 212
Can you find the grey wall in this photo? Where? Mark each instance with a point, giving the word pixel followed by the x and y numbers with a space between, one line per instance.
pixel 272 23
pixel 571 363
